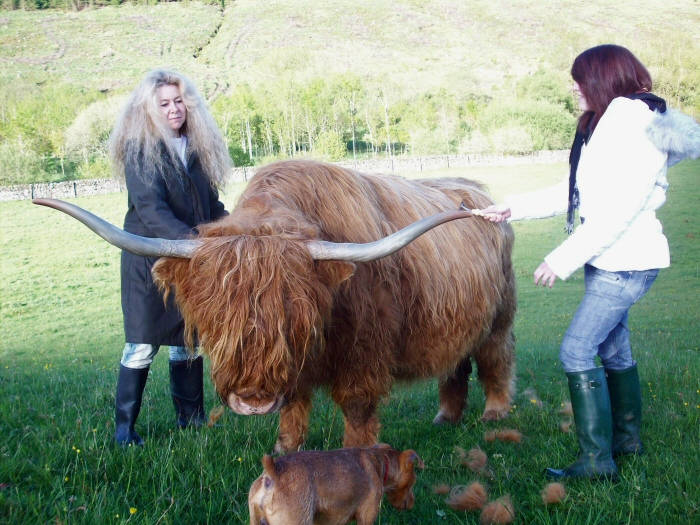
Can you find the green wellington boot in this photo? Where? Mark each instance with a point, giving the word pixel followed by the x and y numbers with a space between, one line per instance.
pixel 592 416
pixel 626 405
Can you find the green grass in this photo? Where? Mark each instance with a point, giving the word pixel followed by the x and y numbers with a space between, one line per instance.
pixel 61 338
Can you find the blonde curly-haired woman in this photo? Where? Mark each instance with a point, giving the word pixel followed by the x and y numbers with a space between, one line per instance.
pixel 169 151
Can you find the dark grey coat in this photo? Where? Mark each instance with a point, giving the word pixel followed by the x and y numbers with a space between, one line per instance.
pixel 170 210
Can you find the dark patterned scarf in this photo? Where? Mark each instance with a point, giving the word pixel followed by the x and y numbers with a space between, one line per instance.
pixel 652 101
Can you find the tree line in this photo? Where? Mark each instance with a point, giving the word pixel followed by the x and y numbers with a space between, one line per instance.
pixel 341 116
pixel 60 132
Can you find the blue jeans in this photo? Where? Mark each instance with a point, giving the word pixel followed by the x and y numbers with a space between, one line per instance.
pixel 599 326
pixel 140 355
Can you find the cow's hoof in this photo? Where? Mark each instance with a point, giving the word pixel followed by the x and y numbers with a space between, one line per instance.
pixel 281 450
pixel 443 419
pixel 493 415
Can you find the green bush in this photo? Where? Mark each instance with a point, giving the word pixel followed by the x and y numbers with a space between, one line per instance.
pixel 87 137
pixel 474 142
pixel 550 86
pixel 97 168
pixel 20 163
pixel 551 126
pixel 329 145
pixel 511 139
pixel 32 132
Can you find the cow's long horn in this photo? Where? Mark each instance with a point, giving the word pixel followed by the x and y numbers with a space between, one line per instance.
pixel 149 247
pixel 363 252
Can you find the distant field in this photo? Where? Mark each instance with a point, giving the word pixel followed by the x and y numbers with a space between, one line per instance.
pixel 331 80
pixel 61 338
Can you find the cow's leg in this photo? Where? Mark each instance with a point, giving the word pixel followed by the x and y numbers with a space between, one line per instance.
pixel 453 394
pixel 495 361
pixel 294 424
pixel 361 422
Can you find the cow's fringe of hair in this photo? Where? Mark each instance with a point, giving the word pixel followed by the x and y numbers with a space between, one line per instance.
pixel 229 293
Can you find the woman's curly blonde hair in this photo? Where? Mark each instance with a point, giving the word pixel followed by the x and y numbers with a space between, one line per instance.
pixel 141 131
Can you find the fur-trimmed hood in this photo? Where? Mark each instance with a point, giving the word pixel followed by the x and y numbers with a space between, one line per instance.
pixel 677 134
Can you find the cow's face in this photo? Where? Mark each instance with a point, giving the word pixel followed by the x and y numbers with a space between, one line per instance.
pixel 258 306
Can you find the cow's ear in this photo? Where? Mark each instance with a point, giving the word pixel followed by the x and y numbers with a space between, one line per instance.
pixel 332 273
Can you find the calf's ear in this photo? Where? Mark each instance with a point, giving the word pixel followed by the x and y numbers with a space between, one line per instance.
pixel 332 273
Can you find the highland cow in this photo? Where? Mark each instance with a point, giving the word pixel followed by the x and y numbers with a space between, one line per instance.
pixel 291 292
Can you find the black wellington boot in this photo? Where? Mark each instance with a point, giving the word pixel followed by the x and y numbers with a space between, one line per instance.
pixel 128 404
pixel 592 416
pixel 187 389
pixel 626 404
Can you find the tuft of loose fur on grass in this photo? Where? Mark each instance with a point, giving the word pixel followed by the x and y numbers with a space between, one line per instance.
pixel 566 409
pixel 215 414
pixel 498 511
pixel 509 434
pixel 472 497
pixel 565 426
pixel 476 460
pixel 531 395
pixel 489 436
pixel 441 488
pixel 553 493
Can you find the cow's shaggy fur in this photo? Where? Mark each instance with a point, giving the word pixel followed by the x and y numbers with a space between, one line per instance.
pixel 276 323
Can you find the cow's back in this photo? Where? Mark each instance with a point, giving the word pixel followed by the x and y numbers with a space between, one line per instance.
pixel 416 311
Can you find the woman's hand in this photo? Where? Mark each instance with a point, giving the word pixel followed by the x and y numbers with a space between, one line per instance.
pixel 494 213
pixel 544 275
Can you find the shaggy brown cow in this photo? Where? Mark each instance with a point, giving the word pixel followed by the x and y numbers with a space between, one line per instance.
pixel 278 322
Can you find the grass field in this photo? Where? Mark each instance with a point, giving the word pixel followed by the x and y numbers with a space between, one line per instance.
pixel 61 338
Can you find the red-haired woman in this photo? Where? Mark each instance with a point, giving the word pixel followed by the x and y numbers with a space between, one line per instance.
pixel 625 140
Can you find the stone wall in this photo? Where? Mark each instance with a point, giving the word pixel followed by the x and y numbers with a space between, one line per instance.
pixel 395 165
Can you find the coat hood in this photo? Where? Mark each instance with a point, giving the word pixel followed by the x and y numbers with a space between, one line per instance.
pixel 677 134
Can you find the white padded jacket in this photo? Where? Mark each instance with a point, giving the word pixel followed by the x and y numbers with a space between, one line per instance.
pixel 622 181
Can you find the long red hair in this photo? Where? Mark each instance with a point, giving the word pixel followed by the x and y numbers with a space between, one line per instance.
pixel 603 73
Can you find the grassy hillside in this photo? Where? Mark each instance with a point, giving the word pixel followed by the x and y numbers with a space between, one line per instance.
pixel 426 45
pixel 330 80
